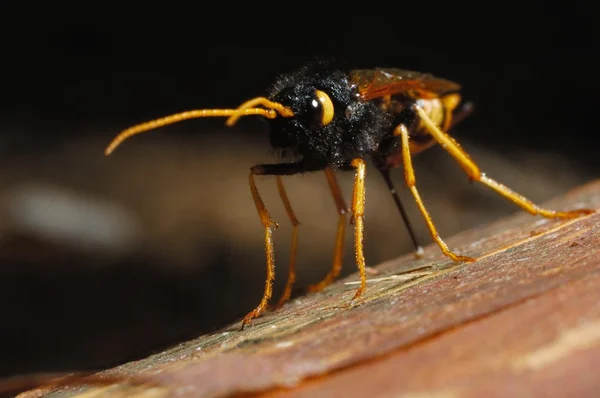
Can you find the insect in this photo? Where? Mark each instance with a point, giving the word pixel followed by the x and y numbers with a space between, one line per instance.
pixel 327 119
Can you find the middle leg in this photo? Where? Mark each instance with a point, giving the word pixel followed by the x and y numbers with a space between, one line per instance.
pixel 409 176
pixel 269 225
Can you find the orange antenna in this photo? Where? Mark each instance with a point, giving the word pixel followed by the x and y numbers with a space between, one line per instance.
pixel 247 108
pixel 283 110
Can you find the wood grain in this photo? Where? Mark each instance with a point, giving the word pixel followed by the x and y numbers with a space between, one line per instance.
pixel 523 320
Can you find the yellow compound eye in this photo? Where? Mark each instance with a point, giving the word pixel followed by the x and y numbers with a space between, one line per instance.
pixel 327 107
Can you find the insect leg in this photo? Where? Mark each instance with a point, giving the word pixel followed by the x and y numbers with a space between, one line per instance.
pixel 287 291
pixel 409 176
pixel 269 225
pixel 400 206
pixel 342 209
pixel 474 173
pixel 358 211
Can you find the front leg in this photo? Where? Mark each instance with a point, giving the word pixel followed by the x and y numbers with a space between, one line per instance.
pixel 268 224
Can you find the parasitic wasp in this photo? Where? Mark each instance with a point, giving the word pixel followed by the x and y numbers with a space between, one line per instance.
pixel 329 120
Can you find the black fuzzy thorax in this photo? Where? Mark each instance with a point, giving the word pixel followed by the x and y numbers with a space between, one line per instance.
pixel 356 131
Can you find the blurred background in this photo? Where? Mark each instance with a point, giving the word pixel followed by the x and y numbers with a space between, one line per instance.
pixel 104 260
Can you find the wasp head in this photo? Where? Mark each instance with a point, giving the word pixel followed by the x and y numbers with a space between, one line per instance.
pixel 315 114
pixel 330 122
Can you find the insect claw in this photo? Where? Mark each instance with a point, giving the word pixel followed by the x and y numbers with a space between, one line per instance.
pixel 357 297
pixel 247 321
pixel 580 212
pixel 458 258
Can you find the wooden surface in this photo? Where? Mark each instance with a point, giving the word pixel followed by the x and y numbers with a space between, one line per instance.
pixel 524 320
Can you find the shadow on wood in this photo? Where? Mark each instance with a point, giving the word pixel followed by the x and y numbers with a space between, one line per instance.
pixel 524 319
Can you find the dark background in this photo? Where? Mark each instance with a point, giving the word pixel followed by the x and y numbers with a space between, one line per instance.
pixel 73 76
pixel 531 69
